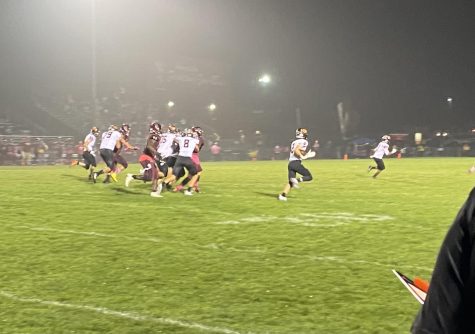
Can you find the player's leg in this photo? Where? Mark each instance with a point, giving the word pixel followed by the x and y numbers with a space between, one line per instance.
pixel 380 167
pixel 155 176
pixel 306 175
pixel 291 173
pixel 193 172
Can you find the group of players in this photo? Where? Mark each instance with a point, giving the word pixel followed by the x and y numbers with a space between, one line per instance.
pixel 298 152
pixel 167 157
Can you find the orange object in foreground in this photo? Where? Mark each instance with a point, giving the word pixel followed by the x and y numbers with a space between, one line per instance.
pixel 421 284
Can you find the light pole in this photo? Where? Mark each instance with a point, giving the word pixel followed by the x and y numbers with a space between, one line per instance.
pixel 93 62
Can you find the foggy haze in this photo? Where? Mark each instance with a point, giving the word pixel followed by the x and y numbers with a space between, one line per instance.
pixel 393 62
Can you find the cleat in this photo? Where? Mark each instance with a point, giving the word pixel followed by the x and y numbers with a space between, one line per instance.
pixel 113 176
pixel 295 182
pixel 107 179
pixel 370 168
pixel 128 179
pixel 472 169
pixel 94 177
pixel 74 162
pixel 188 193
pixel 155 194
pixel 282 198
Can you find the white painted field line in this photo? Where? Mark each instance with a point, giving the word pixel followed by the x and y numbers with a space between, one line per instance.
pixel 232 249
pixel 126 315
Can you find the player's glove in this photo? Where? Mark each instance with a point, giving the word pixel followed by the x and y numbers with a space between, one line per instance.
pixel 310 154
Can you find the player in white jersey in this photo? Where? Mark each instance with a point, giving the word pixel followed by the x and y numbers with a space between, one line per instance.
pixel 88 152
pixel 187 145
pixel 297 154
pixel 167 150
pixel 110 140
pixel 379 152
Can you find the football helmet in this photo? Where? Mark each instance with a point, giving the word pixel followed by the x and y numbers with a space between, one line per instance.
pixel 198 130
pixel 125 129
pixel 112 127
pixel 386 138
pixel 188 132
pixel 95 131
pixel 172 128
pixel 301 133
pixel 155 128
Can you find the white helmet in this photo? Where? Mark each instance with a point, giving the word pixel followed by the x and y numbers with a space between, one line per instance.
pixel 386 137
pixel 301 133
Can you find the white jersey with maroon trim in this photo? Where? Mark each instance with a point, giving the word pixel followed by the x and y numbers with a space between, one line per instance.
pixel 166 144
pixel 109 139
pixel 187 146
pixel 303 143
pixel 91 141
pixel 381 150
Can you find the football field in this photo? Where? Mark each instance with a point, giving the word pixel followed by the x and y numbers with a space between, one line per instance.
pixel 78 257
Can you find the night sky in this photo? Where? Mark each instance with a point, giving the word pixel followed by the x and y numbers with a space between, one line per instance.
pixel 394 63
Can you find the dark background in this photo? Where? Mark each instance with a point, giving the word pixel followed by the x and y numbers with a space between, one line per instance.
pixel 392 63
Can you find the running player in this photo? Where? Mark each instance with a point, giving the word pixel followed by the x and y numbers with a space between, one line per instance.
pixel 187 145
pixel 379 152
pixel 119 161
pixel 168 148
pixel 88 152
pixel 297 154
pixel 110 139
pixel 195 157
pixel 150 170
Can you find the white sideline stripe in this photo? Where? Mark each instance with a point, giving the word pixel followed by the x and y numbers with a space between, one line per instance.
pixel 232 249
pixel 126 315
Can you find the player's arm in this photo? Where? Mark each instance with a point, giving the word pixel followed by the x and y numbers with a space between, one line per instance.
pixel 300 153
pixel 86 144
pixel 151 144
pixel 125 143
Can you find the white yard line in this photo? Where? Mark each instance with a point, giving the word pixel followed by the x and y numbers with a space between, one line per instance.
pixel 322 219
pixel 121 314
pixel 232 249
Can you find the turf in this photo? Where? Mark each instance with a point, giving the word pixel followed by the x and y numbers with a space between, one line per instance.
pixel 79 257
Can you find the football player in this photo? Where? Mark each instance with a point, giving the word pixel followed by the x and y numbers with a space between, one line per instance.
pixel 148 160
pixel 195 157
pixel 379 152
pixel 88 152
pixel 110 140
pixel 187 145
pixel 119 161
pixel 297 154
pixel 168 148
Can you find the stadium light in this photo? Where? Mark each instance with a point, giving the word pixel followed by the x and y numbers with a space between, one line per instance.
pixel 450 100
pixel 170 104
pixel 212 107
pixel 265 79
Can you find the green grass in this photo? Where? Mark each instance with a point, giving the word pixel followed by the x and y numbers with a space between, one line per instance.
pixel 78 257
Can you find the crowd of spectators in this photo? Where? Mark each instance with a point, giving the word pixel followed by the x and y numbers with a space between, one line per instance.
pixel 30 150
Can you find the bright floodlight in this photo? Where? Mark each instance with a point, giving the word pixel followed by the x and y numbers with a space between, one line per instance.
pixel 212 107
pixel 449 100
pixel 265 79
pixel 170 104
